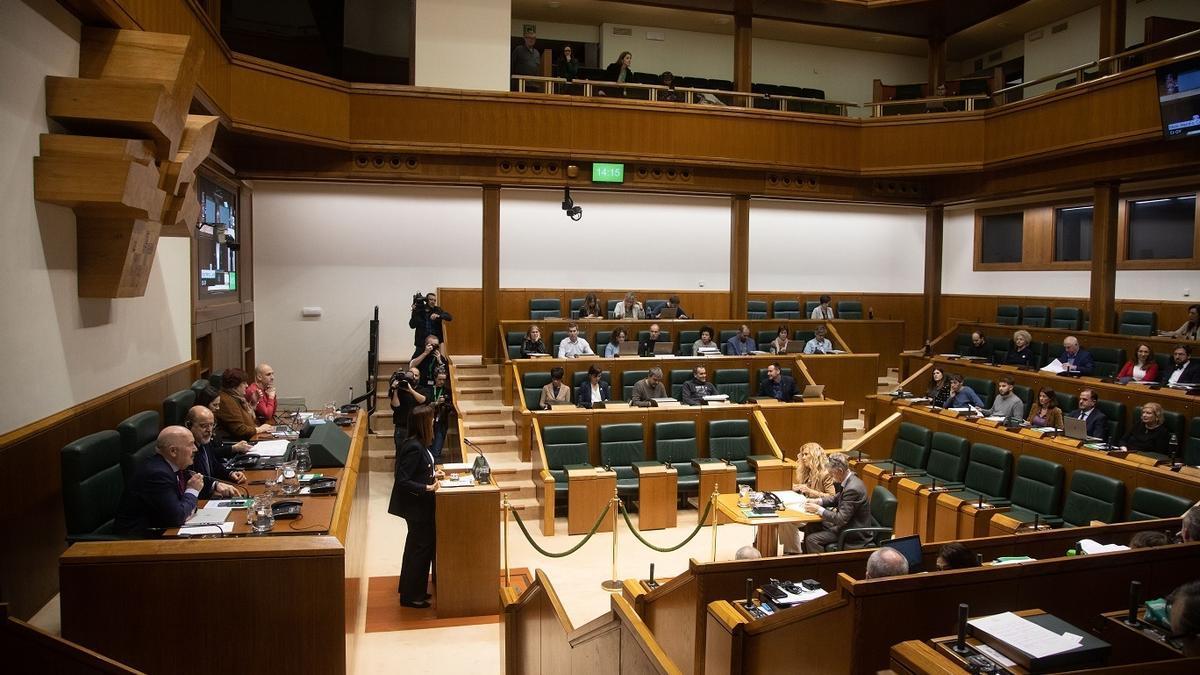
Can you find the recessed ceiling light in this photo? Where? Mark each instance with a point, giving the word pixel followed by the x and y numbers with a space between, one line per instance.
pixel 721 20
pixel 554 4
pixel 876 38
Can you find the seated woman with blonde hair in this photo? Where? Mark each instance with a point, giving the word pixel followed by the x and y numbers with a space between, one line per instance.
pixel 812 472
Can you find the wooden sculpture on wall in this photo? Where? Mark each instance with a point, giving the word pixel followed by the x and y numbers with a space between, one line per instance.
pixel 128 169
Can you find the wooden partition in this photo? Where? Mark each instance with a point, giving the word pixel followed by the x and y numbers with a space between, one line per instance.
pixel 676 610
pixel 538 637
pixel 853 630
pixel 31 483
pixel 309 587
pixel 982 309
pixel 28 649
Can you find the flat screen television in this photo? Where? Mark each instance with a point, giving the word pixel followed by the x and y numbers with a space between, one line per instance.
pixel 1179 98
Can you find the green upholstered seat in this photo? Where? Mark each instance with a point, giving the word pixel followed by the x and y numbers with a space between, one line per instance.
pixel 612 305
pixel 1147 504
pixel 580 375
pixel 730 440
pixel 545 308
pixel 985 388
pixel 1093 497
pixel 513 341
pixel 1068 318
pixel 1037 316
pixel 1191 448
pixel 962 343
pixel 1109 361
pixel 999 347
pixel 1009 315
pixel 802 336
pixel 1066 401
pixel 92 483
pixel 1024 393
pixel 620 446
pixel 989 471
pixel 139 433
pixel 602 338
pixel 198 387
pixel 849 309
pixel 756 310
pixel 630 378
pixel 1133 322
pixel 910 450
pixel 809 306
pixel 1037 490
pixel 531 387
pixel 1114 412
pixel 733 381
pixel 574 306
pixel 565 446
pixel 723 339
pixel 557 338
pixel 948 457
pixel 687 338
pixel 1173 421
pixel 764 339
pixel 883 520
pixel 678 377
pixel 675 444
pixel 786 309
pixel 652 306
pixel 176 405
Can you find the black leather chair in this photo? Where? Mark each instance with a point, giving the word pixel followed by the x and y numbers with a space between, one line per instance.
pixel 531 388
pixel 1093 497
pixel 678 377
pixel 139 433
pixel 687 338
pixel 910 450
pixel 986 389
pixel 1147 504
pixel 1191 449
pixel 628 379
pixel 948 459
pixel 1114 413
pixel 92 484
pixel 1068 318
pixel 733 381
pixel 513 341
pixel 176 405
pixel 1109 361
pixel 675 444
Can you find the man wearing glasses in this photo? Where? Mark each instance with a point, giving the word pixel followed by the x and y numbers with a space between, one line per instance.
pixel 207 461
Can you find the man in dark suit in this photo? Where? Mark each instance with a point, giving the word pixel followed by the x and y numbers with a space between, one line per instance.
pixel 1182 370
pixel 208 461
pixel 777 385
pixel 847 508
pixel 162 493
pixel 584 394
pixel 1097 423
pixel 1074 358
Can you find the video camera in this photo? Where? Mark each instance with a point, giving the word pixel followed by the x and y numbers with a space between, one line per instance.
pixel 419 301
pixel 400 378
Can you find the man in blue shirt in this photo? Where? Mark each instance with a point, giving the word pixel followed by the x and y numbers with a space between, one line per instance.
pixel 962 396
pixel 741 344
pixel 819 344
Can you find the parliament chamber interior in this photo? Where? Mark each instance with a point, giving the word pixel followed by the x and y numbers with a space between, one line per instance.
pixel 600 336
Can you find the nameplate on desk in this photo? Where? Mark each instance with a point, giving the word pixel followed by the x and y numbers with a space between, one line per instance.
pixel 1141 459
pixel 952 412
pixel 1067 441
pixel 989 422
pixel 904 402
pixel 1119 454
pixel 1033 433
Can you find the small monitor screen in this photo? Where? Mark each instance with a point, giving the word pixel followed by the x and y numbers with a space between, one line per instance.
pixel 910 548
pixel 1179 99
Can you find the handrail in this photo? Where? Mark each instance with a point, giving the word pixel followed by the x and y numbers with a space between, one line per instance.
pixel 689 92
pixel 1149 47
pixel 968 101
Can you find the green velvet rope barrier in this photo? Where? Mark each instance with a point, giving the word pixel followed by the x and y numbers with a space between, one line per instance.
pixel 569 551
pixel 699 524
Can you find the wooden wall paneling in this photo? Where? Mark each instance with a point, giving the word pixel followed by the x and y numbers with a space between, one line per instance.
pixel 31 516
pixel 923 144
pixel 1038 240
pixel 982 309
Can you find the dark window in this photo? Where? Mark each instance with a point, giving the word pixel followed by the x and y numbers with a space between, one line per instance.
pixel 217 238
pixel 1002 237
pixel 1162 228
pixel 1073 233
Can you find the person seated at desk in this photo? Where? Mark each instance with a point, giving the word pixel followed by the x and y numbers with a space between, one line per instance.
pixel 1097 423
pixel 1182 370
pixel 261 393
pixel 706 340
pixel 819 344
pixel 672 303
pixel 780 344
pixel 236 416
pixel 630 308
pixel 162 493
pixel 886 561
pixel 555 391
pixel 428 360
pixel 592 390
pixel 573 346
pixel 939 388
pixel 1006 403
pixel 1045 413
pixel 1149 539
pixel 1075 359
pixel 646 345
pixel 613 348
pixel 1149 434
pixel 648 388
pixel 979 347
pixel 777 385
pixel 812 480
pixel 209 397
pixel 1142 368
pixel 741 344
pixel 591 308
pixel 695 389
pixel 962 396
pixel 208 458
pixel 533 343
pixel 1185 617
pixel 1190 330
pixel 955 556
pixel 1021 355
pixel 823 309
pixel 847 508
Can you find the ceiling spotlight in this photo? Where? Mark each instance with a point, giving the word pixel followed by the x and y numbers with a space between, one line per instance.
pixel 568 205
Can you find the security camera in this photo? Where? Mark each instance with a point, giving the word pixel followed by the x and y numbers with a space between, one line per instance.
pixel 568 205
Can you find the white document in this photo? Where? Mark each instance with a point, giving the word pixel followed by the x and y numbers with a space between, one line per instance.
pixel 950 356
pixel 463 481
pixel 209 515
pixel 716 397
pixel 198 530
pixel 791 499
pixel 1025 635
pixel 270 448
pixel 1090 546
pixel 964 409
pixel 995 418
pixel 1055 366
pixel 457 466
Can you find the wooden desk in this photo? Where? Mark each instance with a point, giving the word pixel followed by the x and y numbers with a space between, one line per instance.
pixel 1135 644
pixel 766 538
pixel 589 492
pixel 468 550
pixel 657 496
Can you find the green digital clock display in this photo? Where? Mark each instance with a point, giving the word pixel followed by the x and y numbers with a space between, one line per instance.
pixel 608 173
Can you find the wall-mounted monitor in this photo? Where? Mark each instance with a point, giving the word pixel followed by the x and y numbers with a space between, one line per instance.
pixel 1179 98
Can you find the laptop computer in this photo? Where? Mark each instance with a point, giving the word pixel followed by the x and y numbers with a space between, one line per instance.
pixel 629 348
pixel 664 347
pixel 668 312
pixel 816 391
pixel 1075 428
pixel 910 548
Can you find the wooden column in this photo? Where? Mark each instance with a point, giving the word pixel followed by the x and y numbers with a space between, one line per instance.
pixel 937 63
pixel 1102 305
pixel 1112 28
pixel 739 255
pixel 933 271
pixel 743 45
pixel 491 272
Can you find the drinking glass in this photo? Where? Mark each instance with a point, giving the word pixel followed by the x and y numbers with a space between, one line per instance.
pixel 272 479
pixel 289 479
pixel 744 496
pixel 259 515
pixel 302 458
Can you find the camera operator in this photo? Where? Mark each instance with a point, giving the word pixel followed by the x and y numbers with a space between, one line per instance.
pixel 427 319
pixel 404 396
pixel 428 359
pixel 438 395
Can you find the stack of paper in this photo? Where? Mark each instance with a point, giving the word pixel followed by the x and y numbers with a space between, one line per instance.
pixel 1091 546
pixel 270 448
pixel 1026 635
pixel 209 515
pixel 791 499
pixel 1054 366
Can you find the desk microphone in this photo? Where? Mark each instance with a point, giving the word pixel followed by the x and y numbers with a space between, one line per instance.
pixel 481 471
pixel 749 592
pixel 980 505
pixel 960 645
pixel 652 573
pixel 1135 599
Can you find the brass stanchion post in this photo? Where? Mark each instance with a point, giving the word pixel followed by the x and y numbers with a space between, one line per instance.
pixel 712 506
pixel 504 506
pixel 613 585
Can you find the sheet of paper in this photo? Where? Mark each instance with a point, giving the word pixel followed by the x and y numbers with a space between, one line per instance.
pixel 198 530
pixel 1055 366
pixel 209 515
pixel 1090 546
pixel 996 418
pixel 463 481
pixel 1012 560
pixel 949 356
pixel 1025 635
pixel 457 466
pixel 270 448
pixel 791 499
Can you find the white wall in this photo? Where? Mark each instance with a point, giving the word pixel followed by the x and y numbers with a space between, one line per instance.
pixel 549 30
pixel 1136 13
pixel 965 67
pixel 462 44
pixel 836 247
pixel 682 52
pixel 958 277
pixel 632 240
pixel 346 248
pixel 1077 45
pixel 60 350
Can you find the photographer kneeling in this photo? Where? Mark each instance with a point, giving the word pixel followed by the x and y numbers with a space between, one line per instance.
pixel 403 394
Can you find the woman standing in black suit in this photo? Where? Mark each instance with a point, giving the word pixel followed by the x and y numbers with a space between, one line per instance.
pixel 413 500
